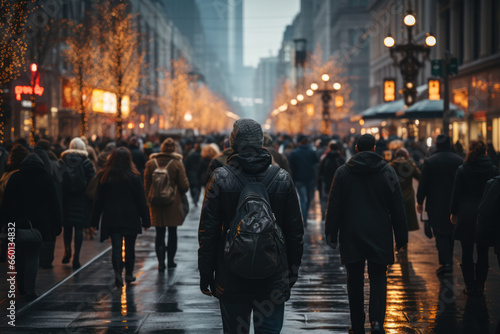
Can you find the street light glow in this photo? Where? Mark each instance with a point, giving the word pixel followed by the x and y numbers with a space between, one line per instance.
pixel 410 20
pixel 389 41
pixel 430 40
pixel 300 97
pixel 409 85
pixel 337 86
pixel 34 67
pixel 325 77
pixel 293 102
pixel 188 117
pixel 314 86
pixel 309 92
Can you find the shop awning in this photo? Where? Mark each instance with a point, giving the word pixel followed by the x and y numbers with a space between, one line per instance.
pixel 422 109
pixel 384 110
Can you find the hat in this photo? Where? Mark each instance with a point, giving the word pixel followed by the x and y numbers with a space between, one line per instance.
pixel 44 144
pixel 246 133
pixel 77 144
pixel 402 152
pixel 365 143
pixel 168 146
pixel 443 142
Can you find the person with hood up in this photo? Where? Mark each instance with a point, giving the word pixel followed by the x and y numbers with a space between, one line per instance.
pixel 77 171
pixel 365 209
pixel 30 201
pixel 171 215
pixel 407 171
pixel 239 296
pixel 327 168
pixel 470 180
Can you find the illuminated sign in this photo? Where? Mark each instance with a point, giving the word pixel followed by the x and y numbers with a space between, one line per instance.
pixel 389 90
pixel 105 102
pixel 339 101
pixel 434 90
pixel 310 110
pixel 28 90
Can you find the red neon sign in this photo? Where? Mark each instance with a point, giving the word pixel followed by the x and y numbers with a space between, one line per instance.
pixel 28 90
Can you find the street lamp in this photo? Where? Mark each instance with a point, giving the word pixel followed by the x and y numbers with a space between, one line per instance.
pixel 410 63
pixel 300 97
pixel 326 97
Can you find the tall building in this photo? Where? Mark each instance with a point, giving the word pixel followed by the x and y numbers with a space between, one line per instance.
pixel 264 86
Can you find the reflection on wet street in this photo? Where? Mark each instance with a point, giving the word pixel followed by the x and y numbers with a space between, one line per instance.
pixel 417 301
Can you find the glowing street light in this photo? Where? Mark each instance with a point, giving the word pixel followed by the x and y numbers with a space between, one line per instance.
pixel 293 102
pixel 389 41
pixel 325 77
pixel 314 86
pixel 430 40
pixel 337 86
pixel 309 92
pixel 410 20
pixel 300 97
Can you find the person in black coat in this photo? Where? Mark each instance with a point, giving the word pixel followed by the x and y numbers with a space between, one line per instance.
pixel 138 156
pixel 327 168
pixel 435 187
pixel 364 208
pixel 304 165
pixel 192 165
pixel 76 204
pixel 31 198
pixel 470 180
pixel 122 208
pixel 239 296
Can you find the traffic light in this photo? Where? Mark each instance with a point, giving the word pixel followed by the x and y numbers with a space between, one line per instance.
pixel 409 93
pixel 389 90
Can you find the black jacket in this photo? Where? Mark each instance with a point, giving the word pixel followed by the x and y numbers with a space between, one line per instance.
pixel 304 164
pixel 364 207
pixel 219 208
pixel 192 165
pixel 327 168
pixel 30 195
pixel 470 180
pixel 139 159
pixel 123 207
pixel 76 206
pixel 436 186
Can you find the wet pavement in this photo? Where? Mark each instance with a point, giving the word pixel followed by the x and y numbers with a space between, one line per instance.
pixel 86 301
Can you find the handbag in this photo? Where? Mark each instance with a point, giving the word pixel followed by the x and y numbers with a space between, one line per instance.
pixel 427 226
pixel 28 234
pixel 185 205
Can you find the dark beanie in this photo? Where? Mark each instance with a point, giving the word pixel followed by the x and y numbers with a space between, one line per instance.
pixel 443 142
pixel 246 133
pixel 168 146
pixel 365 143
pixel 44 144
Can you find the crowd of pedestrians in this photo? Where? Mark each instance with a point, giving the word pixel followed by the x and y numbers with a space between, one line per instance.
pixel 366 195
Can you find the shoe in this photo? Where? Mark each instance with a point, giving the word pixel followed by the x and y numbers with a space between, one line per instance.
pixel 444 269
pixel 171 264
pixel 119 282
pixel 161 267
pixel 76 264
pixel 66 258
pixel 129 279
pixel 377 328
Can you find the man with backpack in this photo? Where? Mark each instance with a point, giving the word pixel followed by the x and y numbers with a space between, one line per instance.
pixel 250 235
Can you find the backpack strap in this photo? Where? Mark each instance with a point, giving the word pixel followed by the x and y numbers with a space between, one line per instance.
pixel 237 174
pixel 156 162
pixel 268 177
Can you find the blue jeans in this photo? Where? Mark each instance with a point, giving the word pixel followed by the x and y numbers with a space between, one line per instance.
pixel 267 317
pixel 306 195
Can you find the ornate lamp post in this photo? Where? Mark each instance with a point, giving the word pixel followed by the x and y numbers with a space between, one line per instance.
pixel 410 63
pixel 326 97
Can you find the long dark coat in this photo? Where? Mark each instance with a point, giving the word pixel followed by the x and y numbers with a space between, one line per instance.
pixel 364 208
pixel 407 171
pixel 436 186
pixel 122 206
pixel 219 208
pixel 470 180
pixel 173 214
pixel 30 195
pixel 327 168
pixel 76 207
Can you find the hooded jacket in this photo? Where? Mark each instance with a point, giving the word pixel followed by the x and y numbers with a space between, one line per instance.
pixel 470 181
pixel 219 209
pixel 76 207
pixel 364 208
pixel 30 195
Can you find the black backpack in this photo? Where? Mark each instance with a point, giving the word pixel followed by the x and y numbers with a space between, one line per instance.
pixel 74 181
pixel 489 210
pixel 255 246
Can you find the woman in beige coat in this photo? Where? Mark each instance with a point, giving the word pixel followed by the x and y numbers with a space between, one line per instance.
pixel 171 215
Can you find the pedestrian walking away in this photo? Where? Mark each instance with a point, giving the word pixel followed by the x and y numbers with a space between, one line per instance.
pixel 435 187
pixel 169 214
pixel 121 207
pixel 241 284
pixel 365 209
pixel 77 171
pixel 470 180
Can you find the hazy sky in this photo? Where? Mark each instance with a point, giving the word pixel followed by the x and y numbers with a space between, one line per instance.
pixel 264 25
